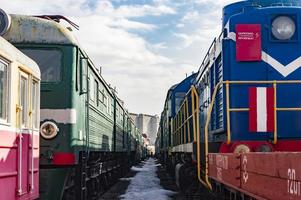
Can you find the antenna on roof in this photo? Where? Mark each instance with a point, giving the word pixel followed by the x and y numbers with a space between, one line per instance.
pixel 57 19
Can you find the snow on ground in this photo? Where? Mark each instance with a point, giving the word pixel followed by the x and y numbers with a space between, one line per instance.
pixel 125 179
pixel 145 185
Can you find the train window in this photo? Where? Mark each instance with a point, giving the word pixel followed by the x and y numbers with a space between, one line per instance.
pixel 120 115
pixel 112 107
pixel 35 103
pixel 24 100
pixel 77 85
pixel 108 105
pixel 105 101
pixel 91 89
pixel 100 94
pixel 179 97
pixel 169 107
pixel 103 95
pixel 49 61
pixel 96 92
pixel 3 90
pixel 83 75
pixel 117 113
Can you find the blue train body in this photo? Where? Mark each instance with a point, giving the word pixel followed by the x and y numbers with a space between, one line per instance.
pixel 175 96
pixel 280 61
pixel 244 98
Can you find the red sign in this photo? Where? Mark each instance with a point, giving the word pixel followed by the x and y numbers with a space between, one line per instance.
pixel 248 42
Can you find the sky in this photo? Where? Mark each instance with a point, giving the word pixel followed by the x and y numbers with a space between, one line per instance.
pixel 143 46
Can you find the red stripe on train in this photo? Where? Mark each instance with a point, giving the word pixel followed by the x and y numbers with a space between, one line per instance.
pixel 252 110
pixel 61 158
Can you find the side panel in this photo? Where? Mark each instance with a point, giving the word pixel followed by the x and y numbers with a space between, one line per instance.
pixel 120 130
pixel 8 164
pixel 101 115
pixel 259 175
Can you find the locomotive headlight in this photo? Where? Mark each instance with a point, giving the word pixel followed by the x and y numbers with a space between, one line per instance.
pixel 283 28
pixel 5 22
pixel 48 130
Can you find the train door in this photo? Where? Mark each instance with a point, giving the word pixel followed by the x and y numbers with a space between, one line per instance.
pixel 24 134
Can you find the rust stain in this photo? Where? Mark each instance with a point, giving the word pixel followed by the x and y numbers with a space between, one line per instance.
pixel 27 29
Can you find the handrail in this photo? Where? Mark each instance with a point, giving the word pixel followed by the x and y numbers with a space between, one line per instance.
pixel 229 109
pixel 193 116
pixel 207 130
pixel 180 122
pixel 228 112
pixel 275 112
pixel 187 113
pixel 206 182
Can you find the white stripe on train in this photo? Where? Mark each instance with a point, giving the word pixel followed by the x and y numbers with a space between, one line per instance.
pixel 64 116
pixel 9 128
pixel 261 102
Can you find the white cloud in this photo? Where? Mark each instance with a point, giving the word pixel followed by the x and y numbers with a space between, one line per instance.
pixel 106 34
pixel 117 45
pixel 215 2
pixel 180 25
pixel 205 24
pixel 191 16
pixel 130 25
pixel 161 45
pixel 138 11
pixel 141 70
pixel 188 39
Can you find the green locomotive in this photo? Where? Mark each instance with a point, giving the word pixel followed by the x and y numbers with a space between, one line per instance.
pixel 87 137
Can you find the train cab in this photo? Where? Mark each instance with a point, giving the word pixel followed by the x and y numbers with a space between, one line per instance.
pixel 19 122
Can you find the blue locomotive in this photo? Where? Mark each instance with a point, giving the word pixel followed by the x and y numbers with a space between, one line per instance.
pixel 245 96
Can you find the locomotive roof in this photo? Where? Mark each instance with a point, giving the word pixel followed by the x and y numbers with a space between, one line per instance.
pixel 266 3
pixel 29 29
pixel 178 86
pixel 184 82
pixel 14 54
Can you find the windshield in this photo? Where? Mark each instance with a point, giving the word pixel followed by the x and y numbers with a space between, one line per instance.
pixel 49 61
pixel 179 98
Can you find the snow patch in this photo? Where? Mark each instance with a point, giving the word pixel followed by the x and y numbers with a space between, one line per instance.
pixel 125 179
pixel 138 169
pixel 145 185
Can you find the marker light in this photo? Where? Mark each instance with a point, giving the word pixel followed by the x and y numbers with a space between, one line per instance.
pixel 283 28
pixel 48 130
pixel 4 22
pixel 264 148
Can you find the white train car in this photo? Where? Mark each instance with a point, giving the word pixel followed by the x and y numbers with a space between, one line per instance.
pixel 19 121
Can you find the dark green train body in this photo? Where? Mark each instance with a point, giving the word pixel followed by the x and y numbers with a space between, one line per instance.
pixel 87 136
